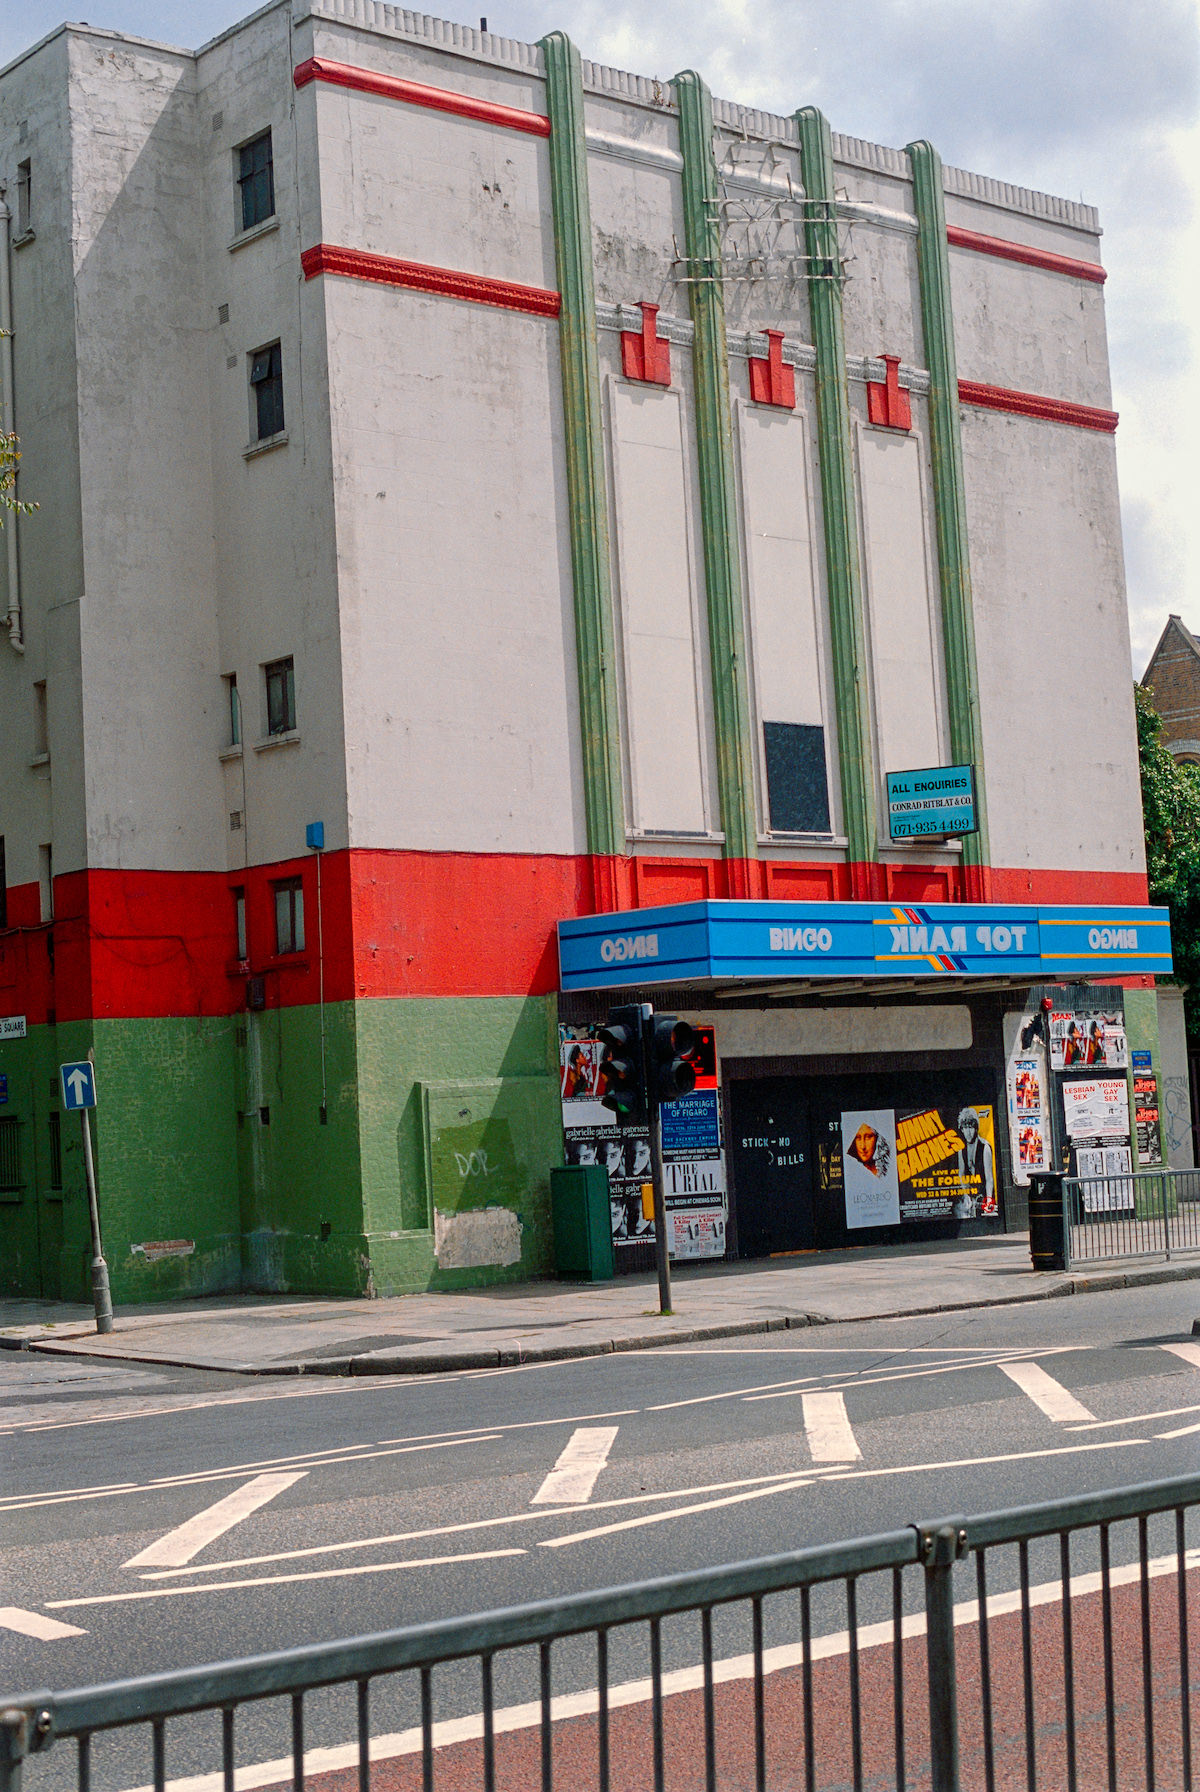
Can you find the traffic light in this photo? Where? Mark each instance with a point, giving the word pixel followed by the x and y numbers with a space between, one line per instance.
pixel 672 1045
pixel 623 1064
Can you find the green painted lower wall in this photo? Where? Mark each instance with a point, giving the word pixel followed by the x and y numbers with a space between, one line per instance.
pixel 228 1159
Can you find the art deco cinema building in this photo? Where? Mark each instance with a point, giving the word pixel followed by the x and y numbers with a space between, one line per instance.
pixel 481 490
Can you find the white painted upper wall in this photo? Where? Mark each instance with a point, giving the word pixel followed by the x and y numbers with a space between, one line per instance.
pixel 408 545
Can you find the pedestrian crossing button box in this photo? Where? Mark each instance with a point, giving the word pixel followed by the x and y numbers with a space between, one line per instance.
pixel 583 1246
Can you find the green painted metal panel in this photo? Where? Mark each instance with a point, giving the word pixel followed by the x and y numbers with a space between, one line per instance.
pixel 714 459
pixel 839 502
pixel 949 491
pixel 599 712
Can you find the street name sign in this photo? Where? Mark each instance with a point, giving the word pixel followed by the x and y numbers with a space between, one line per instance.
pixel 78 1086
pixel 937 801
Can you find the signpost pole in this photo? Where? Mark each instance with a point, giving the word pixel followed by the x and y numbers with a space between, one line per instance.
pixel 662 1255
pixel 101 1297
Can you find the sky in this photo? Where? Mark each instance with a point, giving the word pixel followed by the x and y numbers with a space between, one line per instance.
pixel 1092 99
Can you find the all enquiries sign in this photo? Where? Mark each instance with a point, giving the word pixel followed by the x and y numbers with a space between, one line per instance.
pixel 931 803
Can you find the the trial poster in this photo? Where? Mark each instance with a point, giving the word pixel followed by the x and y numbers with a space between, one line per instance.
pixel 694 1189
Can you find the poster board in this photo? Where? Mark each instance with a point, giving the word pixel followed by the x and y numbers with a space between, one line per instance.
pixel 908 1166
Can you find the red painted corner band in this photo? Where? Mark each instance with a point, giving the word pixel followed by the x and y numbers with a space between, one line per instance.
pixel 415 93
pixel 1030 404
pixel 389 270
pixel 1035 258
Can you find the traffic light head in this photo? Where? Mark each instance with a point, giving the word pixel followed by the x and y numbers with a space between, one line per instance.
pixel 671 1049
pixel 623 1064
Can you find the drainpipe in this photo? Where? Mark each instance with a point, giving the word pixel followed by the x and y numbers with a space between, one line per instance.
pixel 15 635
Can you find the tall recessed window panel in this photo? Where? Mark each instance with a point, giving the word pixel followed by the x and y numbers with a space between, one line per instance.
pixel 905 648
pixel 657 612
pixel 785 640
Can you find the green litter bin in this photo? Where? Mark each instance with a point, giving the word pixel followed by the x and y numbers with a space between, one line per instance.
pixel 583 1246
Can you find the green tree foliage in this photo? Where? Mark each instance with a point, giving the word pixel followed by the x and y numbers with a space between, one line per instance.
pixel 1171 807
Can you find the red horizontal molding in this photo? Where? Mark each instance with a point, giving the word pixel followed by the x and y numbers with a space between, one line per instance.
pixel 390 270
pixel 416 93
pixel 136 944
pixel 1034 258
pixel 1030 404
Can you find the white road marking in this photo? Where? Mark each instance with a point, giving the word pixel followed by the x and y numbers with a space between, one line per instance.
pixel 1136 1418
pixel 574 1475
pixel 46 1630
pixel 827 1425
pixel 1050 1396
pixel 473 1524
pixel 331 1458
pixel 866 1379
pixel 334 1385
pixel 1189 1352
pixel 1183 1431
pixel 271 1580
pixel 187 1540
pixel 636 1524
pixel 731 1668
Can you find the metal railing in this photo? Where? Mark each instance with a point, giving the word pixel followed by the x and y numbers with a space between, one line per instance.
pixel 1070 1665
pixel 1145 1213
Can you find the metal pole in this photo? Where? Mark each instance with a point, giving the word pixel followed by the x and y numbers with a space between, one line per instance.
pixel 662 1255
pixel 940 1549
pixel 101 1298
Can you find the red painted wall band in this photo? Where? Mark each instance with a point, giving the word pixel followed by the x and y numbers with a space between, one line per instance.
pixel 140 945
pixel 1031 404
pixel 1034 258
pixel 390 270
pixel 415 93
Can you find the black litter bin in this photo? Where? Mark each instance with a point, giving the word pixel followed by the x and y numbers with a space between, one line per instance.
pixel 583 1246
pixel 1047 1223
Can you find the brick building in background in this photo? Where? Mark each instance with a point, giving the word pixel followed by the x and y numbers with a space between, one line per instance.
pixel 480 489
pixel 1173 680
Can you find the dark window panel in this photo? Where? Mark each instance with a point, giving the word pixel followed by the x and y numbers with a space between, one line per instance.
pixel 797 780
pixel 256 181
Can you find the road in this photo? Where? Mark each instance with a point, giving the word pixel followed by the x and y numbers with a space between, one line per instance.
pixel 154 1518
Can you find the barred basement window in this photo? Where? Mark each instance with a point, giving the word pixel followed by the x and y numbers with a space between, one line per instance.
pixel 256 181
pixel 289 916
pixel 266 383
pixel 55 1125
pixel 10 1155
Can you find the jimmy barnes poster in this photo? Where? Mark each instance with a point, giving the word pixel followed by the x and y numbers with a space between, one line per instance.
pixel 940 1162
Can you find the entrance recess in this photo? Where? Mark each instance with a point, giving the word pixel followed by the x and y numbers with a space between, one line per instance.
pixel 772 1166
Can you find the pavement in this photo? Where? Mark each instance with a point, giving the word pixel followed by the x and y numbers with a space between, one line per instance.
pixel 549 1321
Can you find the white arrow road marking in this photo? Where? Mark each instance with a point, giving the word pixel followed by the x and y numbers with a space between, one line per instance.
pixel 179 1546
pixel 47 1630
pixel 571 1480
pixel 1050 1395
pixel 830 1438
pixel 1189 1352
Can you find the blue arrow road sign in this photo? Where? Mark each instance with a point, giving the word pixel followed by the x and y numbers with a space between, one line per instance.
pixel 78 1085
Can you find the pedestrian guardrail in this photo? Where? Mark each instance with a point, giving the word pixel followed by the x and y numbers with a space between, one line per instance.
pixel 1069 1665
pixel 1145 1213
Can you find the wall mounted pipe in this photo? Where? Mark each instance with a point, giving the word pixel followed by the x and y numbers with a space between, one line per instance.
pixel 15 633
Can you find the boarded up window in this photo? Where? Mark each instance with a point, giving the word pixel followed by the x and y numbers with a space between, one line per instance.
pixel 797 783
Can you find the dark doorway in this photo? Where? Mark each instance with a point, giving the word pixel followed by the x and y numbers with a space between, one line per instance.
pixel 771 1165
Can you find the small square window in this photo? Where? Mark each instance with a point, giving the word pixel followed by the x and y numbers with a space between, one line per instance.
pixel 256 181
pixel 289 916
pixel 280 678
pixel 239 923
pixel 266 384
pixel 41 727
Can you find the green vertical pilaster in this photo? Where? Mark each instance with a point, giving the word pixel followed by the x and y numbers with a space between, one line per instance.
pixel 949 499
pixel 714 457
pixel 839 505
pixel 599 712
